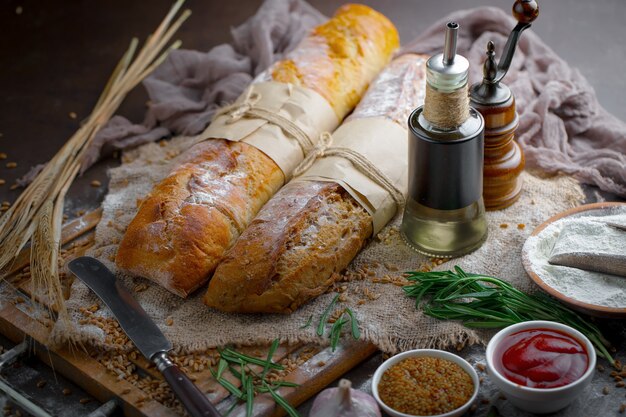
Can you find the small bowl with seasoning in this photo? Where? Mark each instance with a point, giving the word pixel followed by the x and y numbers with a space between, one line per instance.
pixel 541 366
pixel 425 382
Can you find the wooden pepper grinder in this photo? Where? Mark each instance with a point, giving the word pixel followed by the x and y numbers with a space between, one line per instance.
pixel 504 160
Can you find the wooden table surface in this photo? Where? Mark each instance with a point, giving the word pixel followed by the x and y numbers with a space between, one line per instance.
pixel 56 56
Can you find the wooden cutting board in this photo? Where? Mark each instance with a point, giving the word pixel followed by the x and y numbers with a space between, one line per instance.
pixel 316 366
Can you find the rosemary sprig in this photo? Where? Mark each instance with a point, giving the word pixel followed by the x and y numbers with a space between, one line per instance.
pixel 241 367
pixel 481 301
pixel 325 314
pixel 337 327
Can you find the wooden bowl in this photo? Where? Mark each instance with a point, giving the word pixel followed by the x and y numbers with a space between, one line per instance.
pixel 586 308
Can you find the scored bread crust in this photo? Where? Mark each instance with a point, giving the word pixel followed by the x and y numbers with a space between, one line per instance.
pixel 185 224
pixel 291 252
pixel 189 220
pixel 309 231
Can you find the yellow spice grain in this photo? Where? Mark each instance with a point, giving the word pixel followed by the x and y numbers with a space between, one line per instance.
pixel 425 386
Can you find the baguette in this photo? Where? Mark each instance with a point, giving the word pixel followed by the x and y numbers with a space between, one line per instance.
pixel 309 231
pixel 189 220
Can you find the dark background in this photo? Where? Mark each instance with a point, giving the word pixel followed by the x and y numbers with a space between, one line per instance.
pixel 55 57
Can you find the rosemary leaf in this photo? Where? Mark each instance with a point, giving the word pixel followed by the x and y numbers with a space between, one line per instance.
pixel 243 378
pixel 356 333
pixel 228 386
pixel 233 356
pixel 277 384
pixel 270 354
pixel 325 314
pixel 308 322
pixel 221 367
pixel 281 401
pixel 234 371
pixel 249 397
pixel 335 333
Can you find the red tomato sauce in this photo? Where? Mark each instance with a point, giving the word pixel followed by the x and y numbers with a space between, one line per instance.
pixel 541 358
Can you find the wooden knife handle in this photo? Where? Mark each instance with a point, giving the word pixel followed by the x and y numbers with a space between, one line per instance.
pixel 196 403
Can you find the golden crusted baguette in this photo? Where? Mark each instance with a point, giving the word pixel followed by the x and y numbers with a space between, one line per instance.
pixel 310 231
pixel 190 219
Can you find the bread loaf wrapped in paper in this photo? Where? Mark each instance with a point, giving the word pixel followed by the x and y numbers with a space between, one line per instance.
pixel 184 226
pixel 313 227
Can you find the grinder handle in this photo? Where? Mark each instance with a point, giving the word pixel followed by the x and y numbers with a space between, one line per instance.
pixel 525 11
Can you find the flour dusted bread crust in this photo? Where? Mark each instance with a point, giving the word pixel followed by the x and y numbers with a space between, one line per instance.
pixel 341 57
pixel 188 221
pixel 184 226
pixel 309 231
pixel 292 251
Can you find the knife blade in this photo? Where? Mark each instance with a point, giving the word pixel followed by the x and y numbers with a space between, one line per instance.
pixel 143 332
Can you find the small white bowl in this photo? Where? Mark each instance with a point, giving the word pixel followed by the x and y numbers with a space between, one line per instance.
pixel 433 353
pixel 540 400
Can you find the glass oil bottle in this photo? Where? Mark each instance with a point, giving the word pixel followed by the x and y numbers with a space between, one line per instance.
pixel 445 215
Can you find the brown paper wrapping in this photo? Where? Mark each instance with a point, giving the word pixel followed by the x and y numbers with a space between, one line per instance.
pixel 384 144
pixel 306 108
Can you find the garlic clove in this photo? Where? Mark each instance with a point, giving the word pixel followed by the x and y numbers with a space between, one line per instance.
pixel 344 401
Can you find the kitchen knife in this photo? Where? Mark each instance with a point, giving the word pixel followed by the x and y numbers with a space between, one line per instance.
pixel 142 331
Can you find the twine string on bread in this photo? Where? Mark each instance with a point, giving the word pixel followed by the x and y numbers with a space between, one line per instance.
pixel 326 139
pixel 364 165
pixel 237 111
pixel 248 107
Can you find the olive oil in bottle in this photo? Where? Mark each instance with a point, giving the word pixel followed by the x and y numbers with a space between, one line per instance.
pixel 445 214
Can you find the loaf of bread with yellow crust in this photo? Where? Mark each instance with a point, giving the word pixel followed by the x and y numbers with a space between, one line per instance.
pixel 189 220
pixel 301 240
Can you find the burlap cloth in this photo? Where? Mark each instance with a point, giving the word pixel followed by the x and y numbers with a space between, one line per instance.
pixel 371 284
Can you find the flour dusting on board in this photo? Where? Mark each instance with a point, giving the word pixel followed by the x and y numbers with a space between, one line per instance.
pixel 586 233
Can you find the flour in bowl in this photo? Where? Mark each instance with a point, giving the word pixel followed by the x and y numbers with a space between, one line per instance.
pixel 592 235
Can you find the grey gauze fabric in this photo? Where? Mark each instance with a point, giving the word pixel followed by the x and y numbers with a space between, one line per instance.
pixel 562 126
pixel 187 88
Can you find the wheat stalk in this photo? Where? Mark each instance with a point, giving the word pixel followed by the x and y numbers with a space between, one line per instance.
pixel 37 214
